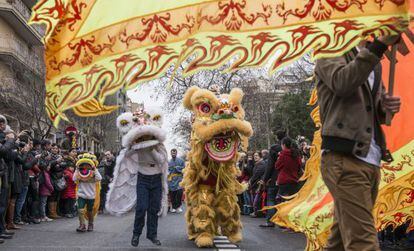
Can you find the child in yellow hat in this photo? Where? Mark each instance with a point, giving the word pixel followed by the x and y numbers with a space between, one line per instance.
pixel 86 176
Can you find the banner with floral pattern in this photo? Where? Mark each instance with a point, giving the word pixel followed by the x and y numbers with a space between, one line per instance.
pixel 95 48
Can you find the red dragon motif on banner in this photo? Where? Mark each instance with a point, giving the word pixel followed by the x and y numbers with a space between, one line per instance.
pixel 157 28
pixel 319 9
pixel 67 14
pixel 233 15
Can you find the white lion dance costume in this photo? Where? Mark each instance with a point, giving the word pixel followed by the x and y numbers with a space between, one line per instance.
pixel 143 155
pixel 210 182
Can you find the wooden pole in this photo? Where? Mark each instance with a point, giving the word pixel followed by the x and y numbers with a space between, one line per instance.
pixel 391 80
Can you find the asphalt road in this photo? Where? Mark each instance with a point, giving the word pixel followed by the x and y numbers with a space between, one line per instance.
pixel 114 233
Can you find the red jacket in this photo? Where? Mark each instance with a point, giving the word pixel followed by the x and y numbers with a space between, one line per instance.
pixel 244 177
pixel 288 168
pixel 46 189
pixel 70 190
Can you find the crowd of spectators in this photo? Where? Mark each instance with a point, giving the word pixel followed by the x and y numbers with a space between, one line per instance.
pixel 36 180
pixel 274 175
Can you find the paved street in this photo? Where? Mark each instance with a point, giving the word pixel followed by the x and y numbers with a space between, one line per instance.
pixel 114 233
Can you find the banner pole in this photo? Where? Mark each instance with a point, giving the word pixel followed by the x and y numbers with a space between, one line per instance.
pixel 391 80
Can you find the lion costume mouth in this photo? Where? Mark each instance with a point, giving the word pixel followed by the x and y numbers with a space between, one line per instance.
pixel 85 173
pixel 143 137
pixel 222 147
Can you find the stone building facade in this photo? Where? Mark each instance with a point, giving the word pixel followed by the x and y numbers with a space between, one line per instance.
pixel 22 85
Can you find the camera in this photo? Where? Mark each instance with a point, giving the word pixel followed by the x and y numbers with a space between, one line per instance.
pixel 21 144
pixel 45 154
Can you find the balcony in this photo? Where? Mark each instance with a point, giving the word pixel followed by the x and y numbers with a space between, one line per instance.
pixel 16 13
pixel 29 3
pixel 12 47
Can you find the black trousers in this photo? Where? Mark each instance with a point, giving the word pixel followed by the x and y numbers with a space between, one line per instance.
pixel 68 206
pixel 176 198
pixel 149 192
pixel 286 190
pixel 4 194
pixel 104 191
pixel 33 199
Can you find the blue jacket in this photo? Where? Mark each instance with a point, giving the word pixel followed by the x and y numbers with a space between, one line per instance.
pixel 175 173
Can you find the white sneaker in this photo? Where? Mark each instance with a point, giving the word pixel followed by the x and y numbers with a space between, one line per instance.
pixel 173 210
pixel 179 210
pixel 47 219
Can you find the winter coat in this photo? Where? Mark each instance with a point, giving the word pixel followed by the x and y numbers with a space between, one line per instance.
pixel 244 177
pixel 14 163
pixel 249 168
pixel 5 152
pixel 271 171
pixel 35 168
pixel 70 190
pixel 29 162
pixel 288 167
pixel 19 173
pixel 46 188
pixel 107 169
pixel 56 168
pixel 258 171
pixel 350 111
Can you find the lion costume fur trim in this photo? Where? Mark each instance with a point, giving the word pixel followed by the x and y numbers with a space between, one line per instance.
pixel 213 210
pixel 145 121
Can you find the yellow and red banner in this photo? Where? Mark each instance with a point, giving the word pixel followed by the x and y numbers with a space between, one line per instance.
pixel 95 48
pixel 311 211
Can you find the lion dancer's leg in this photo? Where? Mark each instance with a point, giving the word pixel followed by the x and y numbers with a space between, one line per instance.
pixel 200 216
pixel 188 217
pixel 228 215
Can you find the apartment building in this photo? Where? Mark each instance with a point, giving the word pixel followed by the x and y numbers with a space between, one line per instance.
pixel 22 69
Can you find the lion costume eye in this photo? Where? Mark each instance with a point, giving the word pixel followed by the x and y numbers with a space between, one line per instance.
pixel 156 118
pixel 124 122
pixel 205 108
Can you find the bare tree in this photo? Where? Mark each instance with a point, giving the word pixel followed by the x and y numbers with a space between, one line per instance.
pixel 173 86
pixel 262 93
pixel 23 99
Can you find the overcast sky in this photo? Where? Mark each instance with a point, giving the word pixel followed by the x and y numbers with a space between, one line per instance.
pixel 146 94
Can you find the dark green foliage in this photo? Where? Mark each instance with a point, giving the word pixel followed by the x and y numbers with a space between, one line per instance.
pixel 293 114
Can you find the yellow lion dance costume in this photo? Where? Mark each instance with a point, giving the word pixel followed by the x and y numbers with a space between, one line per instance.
pixel 87 174
pixel 210 182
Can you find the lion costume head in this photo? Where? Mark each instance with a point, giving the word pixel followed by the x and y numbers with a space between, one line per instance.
pixel 142 132
pixel 86 166
pixel 218 122
pixel 210 176
pixel 141 129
